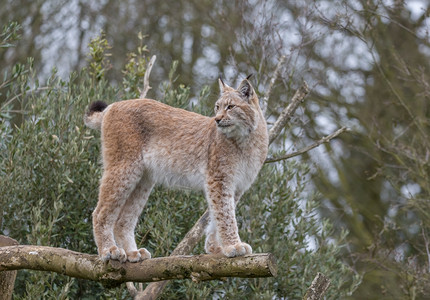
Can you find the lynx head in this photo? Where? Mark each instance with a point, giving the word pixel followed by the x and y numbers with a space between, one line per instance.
pixel 237 110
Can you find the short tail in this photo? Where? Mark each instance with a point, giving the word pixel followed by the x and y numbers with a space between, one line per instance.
pixel 94 116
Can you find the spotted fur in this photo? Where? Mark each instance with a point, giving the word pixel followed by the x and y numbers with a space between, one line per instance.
pixel 145 142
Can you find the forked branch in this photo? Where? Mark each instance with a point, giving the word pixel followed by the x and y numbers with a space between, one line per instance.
pixel 288 112
pixel 321 141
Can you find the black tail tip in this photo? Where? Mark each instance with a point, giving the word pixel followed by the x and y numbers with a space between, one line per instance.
pixel 97 106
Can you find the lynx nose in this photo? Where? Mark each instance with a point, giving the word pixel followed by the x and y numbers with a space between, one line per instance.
pixel 218 119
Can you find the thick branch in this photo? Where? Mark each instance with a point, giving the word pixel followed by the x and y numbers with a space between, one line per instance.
pixel 288 112
pixel 90 267
pixel 323 140
pixel 146 86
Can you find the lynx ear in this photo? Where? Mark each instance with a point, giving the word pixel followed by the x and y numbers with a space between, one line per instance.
pixel 222 85
pixel 245 90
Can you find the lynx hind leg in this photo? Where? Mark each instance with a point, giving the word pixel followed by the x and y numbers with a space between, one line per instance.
pixel 222 206
pixel 127 220
pixel 212 244
pixel 117 184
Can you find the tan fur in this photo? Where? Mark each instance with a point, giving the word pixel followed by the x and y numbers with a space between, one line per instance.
pixel 145 142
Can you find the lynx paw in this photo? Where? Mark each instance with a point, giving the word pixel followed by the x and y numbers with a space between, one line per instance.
pixel 213 249
pixel 114 253
pixel 138 255
pixel 238 249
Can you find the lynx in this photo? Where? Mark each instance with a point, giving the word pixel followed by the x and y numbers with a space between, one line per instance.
pixel 145 142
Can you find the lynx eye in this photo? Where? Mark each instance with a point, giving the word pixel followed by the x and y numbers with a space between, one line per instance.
pixel 216 107
pixel 230 107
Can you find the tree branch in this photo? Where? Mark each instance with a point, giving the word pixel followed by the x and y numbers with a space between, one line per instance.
pixel 132 289
pixel 288 112
pixel 188 243
pixel 90 267
pixel 146 86
pixel 323 140
pixel 271 83
pixel 318 287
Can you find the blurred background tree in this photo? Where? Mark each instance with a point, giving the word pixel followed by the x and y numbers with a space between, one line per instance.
pixel 367 63
pixel 377 185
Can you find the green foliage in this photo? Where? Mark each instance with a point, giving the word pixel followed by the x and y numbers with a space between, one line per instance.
pixel 134 70
pixel 175 97
pixel 50 175
pixel 99 63
pixel 50 170
pixel 10 34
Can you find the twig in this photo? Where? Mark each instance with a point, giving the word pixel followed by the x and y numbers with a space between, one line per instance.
pixel 146 86
pixel 271 83
pixel 318 287
pixel 323 140
pixel 21 94
pixel 288 112
pixel 401 100
pixel 426 242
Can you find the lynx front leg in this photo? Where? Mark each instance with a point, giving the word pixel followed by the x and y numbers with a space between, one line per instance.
pixel 126 223
pixel 222 213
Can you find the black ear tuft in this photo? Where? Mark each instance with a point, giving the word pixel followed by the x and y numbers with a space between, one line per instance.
pixel 97 106
pixel 249 76
pixel 222 85
pixel 245 90
pixel 221 80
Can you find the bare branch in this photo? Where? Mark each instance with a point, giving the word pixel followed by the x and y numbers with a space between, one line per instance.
pixel 318 287
pixel 146 86
pixel 152 291
pixel 323 140
pixel 271 83
pixel 288 112
pixel 131 289
pixel 426 244
pixel 90 267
